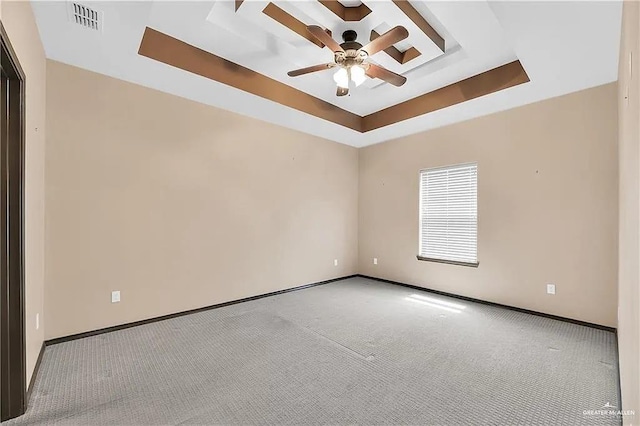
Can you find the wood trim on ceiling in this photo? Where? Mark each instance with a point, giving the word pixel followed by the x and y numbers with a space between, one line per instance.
pixel 171 51
pixel 500 78
pixel 289 21
pixel 347 14
pixel 238 4
pixel 400 57
pixel 419 20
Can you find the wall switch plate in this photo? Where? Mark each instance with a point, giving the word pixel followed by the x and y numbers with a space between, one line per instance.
pixel 115 296
pixel 37 321
pixel 551 289
pixel 335 262
pixel 375 260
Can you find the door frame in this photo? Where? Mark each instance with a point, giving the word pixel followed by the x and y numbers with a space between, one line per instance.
pixel 13 386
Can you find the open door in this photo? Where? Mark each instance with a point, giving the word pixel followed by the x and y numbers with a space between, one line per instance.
pixel 12 303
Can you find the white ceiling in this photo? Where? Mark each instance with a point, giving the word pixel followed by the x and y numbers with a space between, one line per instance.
pixel 563 46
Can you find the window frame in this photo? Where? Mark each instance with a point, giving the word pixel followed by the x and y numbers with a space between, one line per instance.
pixel 438 260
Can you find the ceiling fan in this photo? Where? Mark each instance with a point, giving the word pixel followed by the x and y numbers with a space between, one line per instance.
pixel 351 58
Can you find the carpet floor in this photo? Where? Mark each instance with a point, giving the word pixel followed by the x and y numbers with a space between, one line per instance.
pixel 355 351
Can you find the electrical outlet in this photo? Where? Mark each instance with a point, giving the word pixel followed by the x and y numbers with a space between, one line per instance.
pixel 551 289
pixel 375 260
pixel 335 262
pixel 37 321
pixel 115 296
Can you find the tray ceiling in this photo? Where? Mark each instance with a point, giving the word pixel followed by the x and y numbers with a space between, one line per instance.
pixel 461 59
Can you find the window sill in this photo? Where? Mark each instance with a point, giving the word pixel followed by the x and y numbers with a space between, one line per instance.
pixel 450 262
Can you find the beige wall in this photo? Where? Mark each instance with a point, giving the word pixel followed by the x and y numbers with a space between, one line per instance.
pixel 133 200
pixel 180 205
pixel 18 20
pixel 547 191
pixel 629 248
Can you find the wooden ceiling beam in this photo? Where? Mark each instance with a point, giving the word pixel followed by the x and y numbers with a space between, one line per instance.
pixel 171 51
pixel 400 57
pixel 347 14
pixel 289 21
pixel 417 19
pixel 500 78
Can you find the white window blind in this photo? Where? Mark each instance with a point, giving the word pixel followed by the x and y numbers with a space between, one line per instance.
pixel 449 213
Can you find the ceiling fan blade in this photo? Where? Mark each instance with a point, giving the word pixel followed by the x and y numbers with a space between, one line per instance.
pixel 308 70
pixel 387 39
pixel 324 38
pixel 342 91
pixel 375 71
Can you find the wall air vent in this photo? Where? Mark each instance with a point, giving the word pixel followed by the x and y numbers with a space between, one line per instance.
pixel 85 16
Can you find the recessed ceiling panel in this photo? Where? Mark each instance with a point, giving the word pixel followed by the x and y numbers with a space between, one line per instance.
pixel 461 59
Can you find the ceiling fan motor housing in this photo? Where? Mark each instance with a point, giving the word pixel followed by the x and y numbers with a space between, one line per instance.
pixel 350 42
pixel 352 54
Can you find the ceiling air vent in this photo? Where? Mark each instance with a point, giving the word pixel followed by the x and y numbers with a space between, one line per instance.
pixel 85 16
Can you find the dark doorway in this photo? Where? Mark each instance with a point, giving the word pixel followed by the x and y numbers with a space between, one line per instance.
pixel 12 331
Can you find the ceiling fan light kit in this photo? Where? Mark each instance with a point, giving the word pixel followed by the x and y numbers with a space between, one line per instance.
pixel 341 77
pixel 354 73
pixel 351 58
pixel 358 75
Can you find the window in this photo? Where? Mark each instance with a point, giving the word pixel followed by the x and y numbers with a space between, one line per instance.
pixel 449 214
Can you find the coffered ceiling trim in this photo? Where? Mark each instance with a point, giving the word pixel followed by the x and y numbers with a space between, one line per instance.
pixel 289 21
pixel 347 14
pixel 500 78
pixel 417 19
pixel 400 57
pixel 171 51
